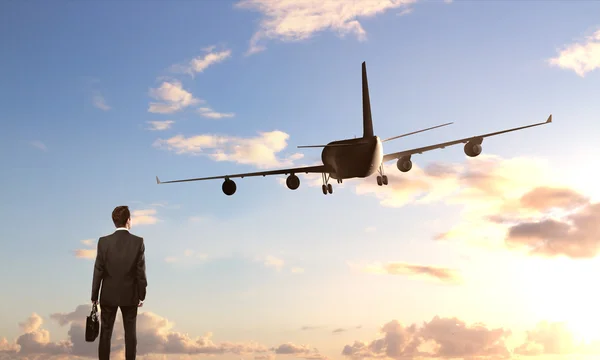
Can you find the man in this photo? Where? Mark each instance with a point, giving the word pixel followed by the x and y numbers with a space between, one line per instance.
pixel 121 268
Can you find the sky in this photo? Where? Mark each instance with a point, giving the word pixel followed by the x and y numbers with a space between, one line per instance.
pixel 491 257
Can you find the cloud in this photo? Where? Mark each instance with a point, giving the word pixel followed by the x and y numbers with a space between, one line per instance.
pixel 398 268
pixel 143 217
pixel 155 335
pixel 310 327
pixel 405 11
pixel 516 204
pixel 297 270
pixel 201 63
pixel 99 102
pixel 299 20
pixel 548 338
pixel 581 57
pixel 85 253
pixel 450 337
pixel 576 235
pixel 260 150
pixel 441 337
pixel 211 114
pixel 174 98
pixel 40 145
pixel 160 125
pixel 90 253
pixel 274 262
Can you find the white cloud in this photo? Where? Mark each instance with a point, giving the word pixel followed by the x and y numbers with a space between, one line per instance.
pixel 211 114
pixel 299 20
pixel 297 270
pixel 260 151
pixel 405 11
pixel 85 253
pixel 201 63
pixel 143 217
pixel 88 242
pixel 90 253
pixel 160 125
pixel 399 268
pixel 40 145
pixel 174 98
pixel 155 334
pixel 274 262
pixel 581 57
pixel 520 204
pixel 440 338
pixel 99 102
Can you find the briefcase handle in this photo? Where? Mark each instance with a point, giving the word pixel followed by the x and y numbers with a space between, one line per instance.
pixel 94 312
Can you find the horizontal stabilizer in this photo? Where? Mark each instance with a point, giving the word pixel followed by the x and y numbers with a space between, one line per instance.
pixel 415 132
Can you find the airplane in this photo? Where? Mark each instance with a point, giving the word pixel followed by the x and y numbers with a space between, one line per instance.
pixel 358 157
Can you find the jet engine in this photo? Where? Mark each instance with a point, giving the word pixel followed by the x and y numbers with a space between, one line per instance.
pixel 292 182
pixel 229 187
pixel 404 164
pixel 473 148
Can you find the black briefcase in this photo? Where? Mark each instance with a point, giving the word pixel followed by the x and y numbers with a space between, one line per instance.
pixel 92 325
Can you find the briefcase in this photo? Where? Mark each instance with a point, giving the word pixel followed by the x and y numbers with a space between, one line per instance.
pixel 92 325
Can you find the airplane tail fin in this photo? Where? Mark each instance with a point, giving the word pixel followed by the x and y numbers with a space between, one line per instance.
pixel 366 104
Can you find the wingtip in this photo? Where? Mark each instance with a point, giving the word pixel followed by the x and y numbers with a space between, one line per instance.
pixel 157 180
pixel 549 119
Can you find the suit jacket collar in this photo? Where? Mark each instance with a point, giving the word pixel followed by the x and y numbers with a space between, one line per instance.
pixel 121 228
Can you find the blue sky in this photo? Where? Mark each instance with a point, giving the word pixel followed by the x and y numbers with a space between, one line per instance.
pixel 82 133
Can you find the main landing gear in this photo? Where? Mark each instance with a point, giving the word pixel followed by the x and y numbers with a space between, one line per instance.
pixel 382 179
pixel 327 188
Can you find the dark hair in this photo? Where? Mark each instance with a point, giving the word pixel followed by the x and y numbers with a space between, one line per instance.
pixel 120 215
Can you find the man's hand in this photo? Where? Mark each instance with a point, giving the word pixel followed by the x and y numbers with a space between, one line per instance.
pixel 141 303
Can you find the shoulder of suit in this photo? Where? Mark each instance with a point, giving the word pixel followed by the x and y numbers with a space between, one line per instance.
pixel 137 237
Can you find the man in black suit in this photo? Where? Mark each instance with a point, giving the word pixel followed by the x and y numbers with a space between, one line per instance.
pixel 121 268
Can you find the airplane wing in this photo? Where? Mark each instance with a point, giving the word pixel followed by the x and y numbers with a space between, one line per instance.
pixel 298 170
pixel 397 155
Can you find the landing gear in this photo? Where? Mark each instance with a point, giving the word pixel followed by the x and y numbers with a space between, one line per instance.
pixel 382 179
pixel 327 188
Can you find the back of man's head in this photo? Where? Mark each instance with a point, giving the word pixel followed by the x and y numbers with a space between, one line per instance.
pixel 121 216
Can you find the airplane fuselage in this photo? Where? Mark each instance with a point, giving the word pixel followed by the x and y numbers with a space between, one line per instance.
pixel 360 159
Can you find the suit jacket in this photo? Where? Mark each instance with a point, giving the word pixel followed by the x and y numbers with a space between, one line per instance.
pixel 121 269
